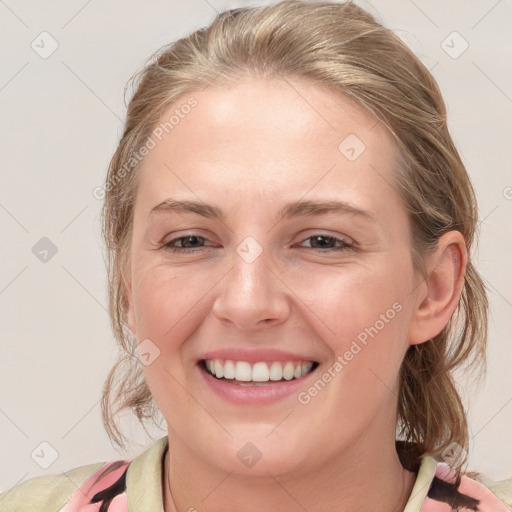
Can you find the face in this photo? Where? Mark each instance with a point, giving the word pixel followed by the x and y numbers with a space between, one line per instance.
pixel 294 259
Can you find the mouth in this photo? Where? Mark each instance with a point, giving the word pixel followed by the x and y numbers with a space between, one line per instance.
pixel 262 373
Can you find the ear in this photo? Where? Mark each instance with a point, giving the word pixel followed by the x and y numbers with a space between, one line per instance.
pixel 130 314
pixel 439 295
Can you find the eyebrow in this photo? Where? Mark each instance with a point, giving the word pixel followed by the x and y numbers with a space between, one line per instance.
pixel 301 208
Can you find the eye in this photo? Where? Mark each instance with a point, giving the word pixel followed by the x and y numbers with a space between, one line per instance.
pixel 320 243
pixel 189 243
pixel 328 242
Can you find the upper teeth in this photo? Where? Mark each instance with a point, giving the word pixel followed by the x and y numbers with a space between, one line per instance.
pixel 259 372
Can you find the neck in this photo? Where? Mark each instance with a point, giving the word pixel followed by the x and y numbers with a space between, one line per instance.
pixel 357 480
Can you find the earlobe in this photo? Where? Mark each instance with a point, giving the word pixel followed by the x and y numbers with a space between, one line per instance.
pixel 444 281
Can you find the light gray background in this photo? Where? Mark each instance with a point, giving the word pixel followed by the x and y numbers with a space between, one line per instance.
pixel 61 118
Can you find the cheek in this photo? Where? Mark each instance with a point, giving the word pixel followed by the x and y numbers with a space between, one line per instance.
pixel 163 299
pixel 170 305
pixel 351 301
pixel 167 309
pixel 365 318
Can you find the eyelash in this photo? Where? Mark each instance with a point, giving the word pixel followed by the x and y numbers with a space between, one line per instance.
pixel 183 250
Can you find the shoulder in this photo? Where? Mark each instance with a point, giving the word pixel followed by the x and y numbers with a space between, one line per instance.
pixel 48 493
pixel 93 487
pixel 501 488
pixel 474 492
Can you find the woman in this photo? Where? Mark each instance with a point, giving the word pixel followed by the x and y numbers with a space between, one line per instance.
pixel 290 228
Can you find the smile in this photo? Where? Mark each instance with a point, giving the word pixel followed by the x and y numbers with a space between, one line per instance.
pixel 243 371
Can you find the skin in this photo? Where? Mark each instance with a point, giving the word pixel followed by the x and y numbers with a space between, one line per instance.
pixel 250 148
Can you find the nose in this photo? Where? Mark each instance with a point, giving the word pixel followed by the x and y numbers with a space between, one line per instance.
pixel 252 295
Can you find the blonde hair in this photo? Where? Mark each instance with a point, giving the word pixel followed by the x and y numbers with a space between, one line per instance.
pixel 340 46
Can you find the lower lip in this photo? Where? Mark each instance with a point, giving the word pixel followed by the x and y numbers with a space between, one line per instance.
pixel 255 394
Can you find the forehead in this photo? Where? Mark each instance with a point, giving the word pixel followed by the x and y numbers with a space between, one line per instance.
pixel 268 140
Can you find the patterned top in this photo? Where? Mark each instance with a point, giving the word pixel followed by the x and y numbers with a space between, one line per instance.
pixel 133 486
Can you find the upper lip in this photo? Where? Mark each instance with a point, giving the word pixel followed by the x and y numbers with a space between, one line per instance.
pixel 254 355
